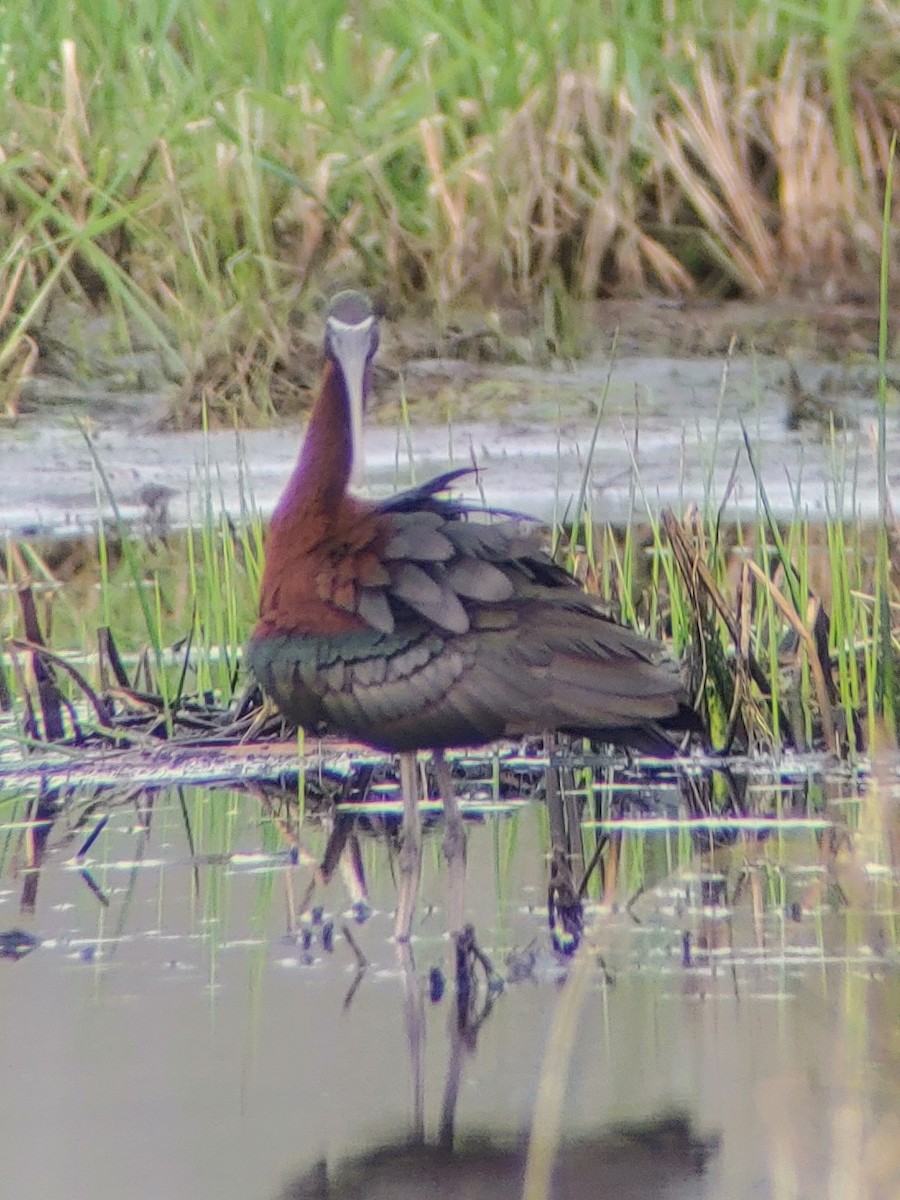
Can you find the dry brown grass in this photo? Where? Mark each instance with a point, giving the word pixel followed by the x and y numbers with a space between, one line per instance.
pixel 733 179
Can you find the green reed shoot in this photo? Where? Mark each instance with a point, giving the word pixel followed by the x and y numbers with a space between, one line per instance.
pixel 887 686
pixel 129 553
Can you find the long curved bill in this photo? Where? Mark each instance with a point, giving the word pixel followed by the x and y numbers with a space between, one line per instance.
pixel 351 345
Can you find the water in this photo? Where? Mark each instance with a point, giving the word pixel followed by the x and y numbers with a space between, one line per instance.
pixel 178 1031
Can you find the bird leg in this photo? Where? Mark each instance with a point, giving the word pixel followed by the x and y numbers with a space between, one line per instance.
pixel 411 847
pixel 555 808
pixel 414 1014
pixel 454 845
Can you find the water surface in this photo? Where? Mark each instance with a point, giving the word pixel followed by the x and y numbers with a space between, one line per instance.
pixel 179 1030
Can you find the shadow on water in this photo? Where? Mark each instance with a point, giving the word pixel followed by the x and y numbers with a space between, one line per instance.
pixel 202 997
pixel 662 1158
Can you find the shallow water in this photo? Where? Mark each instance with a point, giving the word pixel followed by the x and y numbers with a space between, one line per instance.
pixel 177 1031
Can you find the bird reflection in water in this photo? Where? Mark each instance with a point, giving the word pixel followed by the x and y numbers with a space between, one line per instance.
pixel 663 1158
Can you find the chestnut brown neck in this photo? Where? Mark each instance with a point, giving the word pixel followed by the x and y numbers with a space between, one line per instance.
pixel 319 480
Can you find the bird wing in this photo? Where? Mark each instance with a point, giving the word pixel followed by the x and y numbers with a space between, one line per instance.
pixel 521 667
pixel 441 557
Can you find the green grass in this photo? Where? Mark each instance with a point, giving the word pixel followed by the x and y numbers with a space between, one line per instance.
pixel 887 664
pixel 205 171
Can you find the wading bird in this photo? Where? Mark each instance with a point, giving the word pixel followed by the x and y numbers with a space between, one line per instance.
pixel 423 622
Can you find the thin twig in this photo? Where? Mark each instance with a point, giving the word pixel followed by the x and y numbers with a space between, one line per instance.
pixel 51 656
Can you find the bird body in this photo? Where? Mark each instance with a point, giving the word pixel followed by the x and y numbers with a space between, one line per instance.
pixel 424 622
pixel 441 632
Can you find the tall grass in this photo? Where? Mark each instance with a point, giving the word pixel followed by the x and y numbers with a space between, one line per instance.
pixel 887 653
pixel 202 169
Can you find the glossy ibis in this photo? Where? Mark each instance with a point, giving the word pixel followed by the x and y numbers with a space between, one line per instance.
pixel 423 622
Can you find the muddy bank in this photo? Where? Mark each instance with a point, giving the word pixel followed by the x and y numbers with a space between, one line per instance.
pixel 670 433
pixel 494 388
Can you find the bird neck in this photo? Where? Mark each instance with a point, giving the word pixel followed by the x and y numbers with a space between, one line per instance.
pixel 323 470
